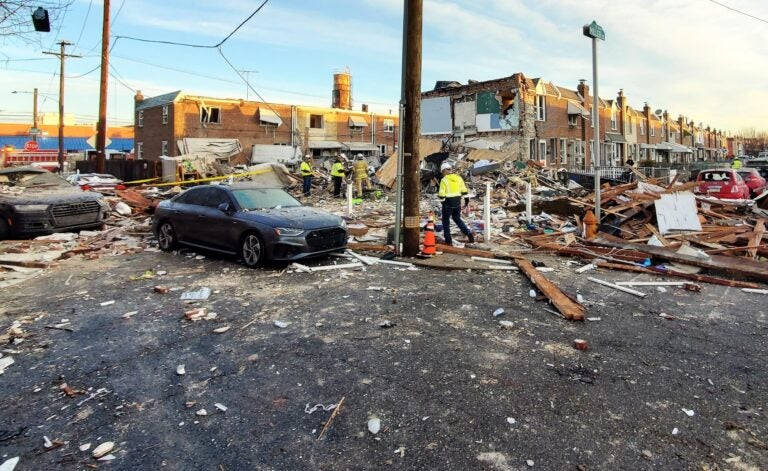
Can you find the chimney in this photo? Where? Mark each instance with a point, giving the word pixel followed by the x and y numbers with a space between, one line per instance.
pixel 583 90
pixel 620 98
pixel 139 97
pixel 365 108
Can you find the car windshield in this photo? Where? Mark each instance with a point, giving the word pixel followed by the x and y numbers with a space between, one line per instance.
pixel 34 180
pixel 263 198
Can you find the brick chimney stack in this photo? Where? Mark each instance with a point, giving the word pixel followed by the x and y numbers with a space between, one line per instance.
pixel 139 97
pixel 583 90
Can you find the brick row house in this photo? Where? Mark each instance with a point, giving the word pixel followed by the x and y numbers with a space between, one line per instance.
pixel 532 119
pixel 164 122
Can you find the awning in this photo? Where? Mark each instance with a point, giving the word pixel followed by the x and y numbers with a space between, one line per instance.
pixel 648 146
pixel 356 121
pixel 221 148
pixel 615 137
pixel 360 147
pixel 575 108
pixel 325 145
pixel 268 116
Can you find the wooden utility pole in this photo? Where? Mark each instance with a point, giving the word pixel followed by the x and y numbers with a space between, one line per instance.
pixel 101 127
pixel 62 56
pixel 35 131
pixel 411 129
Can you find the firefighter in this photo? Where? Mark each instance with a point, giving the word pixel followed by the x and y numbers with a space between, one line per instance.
pixel 361 175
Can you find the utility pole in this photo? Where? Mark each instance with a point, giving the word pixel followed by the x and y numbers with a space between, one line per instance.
pixel 411 128
pixel 62 56
pixel 35 131
pixel 101 127
pixel 248 82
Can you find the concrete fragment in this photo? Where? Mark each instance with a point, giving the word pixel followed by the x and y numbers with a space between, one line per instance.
pixel 85 447
pixel 5 362
pixel 9 464
pixel 181 370
pixel 221 407
pixel 103 449
pixel 374 425
pixel 221 330
pixel 281 324
pixel 201 412
pixel 498 312
pixel 122 209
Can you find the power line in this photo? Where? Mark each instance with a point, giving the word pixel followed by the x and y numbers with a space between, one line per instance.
pixel 739 11
pixel 85 22
pixel 200 46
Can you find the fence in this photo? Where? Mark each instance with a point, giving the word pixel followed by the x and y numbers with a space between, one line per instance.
pixel 616 175
pixel 126 170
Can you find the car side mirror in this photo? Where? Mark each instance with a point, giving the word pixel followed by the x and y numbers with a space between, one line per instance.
pixel 224 208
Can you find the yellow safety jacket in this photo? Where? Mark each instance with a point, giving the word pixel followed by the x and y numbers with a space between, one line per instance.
pixel 452 188
pixel 736 164
pixel 337 170
pixel 305 169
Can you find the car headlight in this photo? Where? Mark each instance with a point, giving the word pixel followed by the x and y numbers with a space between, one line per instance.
pixel 288 231
pixel 28 208
pixel 343 223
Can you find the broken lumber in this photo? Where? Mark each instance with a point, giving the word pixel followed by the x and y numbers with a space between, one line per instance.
pixel 570 309
pixel 368 247
pixel 464 251
pixel 614 286
pixel 687 276
pixel 739 267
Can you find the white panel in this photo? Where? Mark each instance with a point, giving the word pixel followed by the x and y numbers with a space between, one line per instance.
pixel 677 212
pixel 464 113
pixel 436 115
pixel 483 122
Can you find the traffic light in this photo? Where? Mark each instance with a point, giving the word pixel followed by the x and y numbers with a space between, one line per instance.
pixel 40 20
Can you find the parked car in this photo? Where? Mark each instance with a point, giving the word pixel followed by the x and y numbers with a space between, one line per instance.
pixel 34 201
pixel 254 222
pixel 753 179
pixel 96 182
pixel 722 183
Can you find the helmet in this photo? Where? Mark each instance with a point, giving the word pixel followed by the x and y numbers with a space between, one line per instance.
pixel 445 166
pixel 359 156
pixel 307 157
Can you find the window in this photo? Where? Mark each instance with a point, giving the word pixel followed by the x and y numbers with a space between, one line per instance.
pixel 563 146
pixel 140 150
pixel 165 114
pixel 542 149
pixel 551 151
pixel 140 119
pixel 631 126
pixel 210 115
pixel 541 108
pixel 382 149
pixel 652 128
pixel 316 121
pixel 572 119
pixel 164 148
pixel 642 128
pixel 532 149
pixel 389 125
pixel 614 123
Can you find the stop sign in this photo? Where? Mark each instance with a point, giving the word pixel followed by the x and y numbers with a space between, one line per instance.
pixel 31 146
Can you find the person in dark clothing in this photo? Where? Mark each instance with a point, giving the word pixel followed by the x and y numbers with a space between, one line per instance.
pixel 306 174
pixel 337 175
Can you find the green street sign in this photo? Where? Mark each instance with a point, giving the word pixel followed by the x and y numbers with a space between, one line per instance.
pixel 595 31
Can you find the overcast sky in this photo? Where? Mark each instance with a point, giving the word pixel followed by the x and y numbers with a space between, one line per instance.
pixel 690 57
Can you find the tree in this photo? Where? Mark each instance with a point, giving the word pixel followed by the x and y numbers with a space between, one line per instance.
pixel 16 18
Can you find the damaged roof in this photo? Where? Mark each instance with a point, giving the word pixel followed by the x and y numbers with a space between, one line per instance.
pixel 159 100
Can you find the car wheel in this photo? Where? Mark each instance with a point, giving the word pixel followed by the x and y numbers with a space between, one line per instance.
pixel 166 237
pixel 5 230
pixel 252 250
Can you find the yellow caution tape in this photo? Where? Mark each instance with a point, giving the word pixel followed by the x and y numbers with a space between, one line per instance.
pixel 211 179
pixel 136 182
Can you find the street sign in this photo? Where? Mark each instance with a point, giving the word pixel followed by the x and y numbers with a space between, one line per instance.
pixel 31 146
pixel 594 31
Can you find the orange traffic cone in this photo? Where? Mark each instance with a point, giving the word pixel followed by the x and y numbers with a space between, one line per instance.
pixel 429 237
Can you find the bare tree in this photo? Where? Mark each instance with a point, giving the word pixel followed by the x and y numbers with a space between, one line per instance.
pixel 16 17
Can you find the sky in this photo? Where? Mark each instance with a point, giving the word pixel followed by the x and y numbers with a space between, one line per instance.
pixel 691 57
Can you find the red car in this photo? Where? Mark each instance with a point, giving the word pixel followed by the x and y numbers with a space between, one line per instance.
pixel 724 183
pixel 753 179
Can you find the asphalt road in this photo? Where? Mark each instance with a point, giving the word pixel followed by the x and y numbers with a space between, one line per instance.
pixel 453 389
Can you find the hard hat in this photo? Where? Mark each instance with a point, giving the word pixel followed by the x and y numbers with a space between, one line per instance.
pixel 445 166
pixel 359 156
pixel 307 157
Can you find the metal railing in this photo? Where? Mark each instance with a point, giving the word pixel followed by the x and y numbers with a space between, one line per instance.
pixel 617 174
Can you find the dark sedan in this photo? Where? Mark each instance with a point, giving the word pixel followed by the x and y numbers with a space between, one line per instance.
pixel 254 222
pixel 34 201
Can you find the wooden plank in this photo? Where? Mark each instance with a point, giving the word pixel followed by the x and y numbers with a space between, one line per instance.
pixel 570 309
pixel 756 238
pixel 464 251
pixel 687 276
pixel 735 266
pixel 655 232
pixel 369 247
